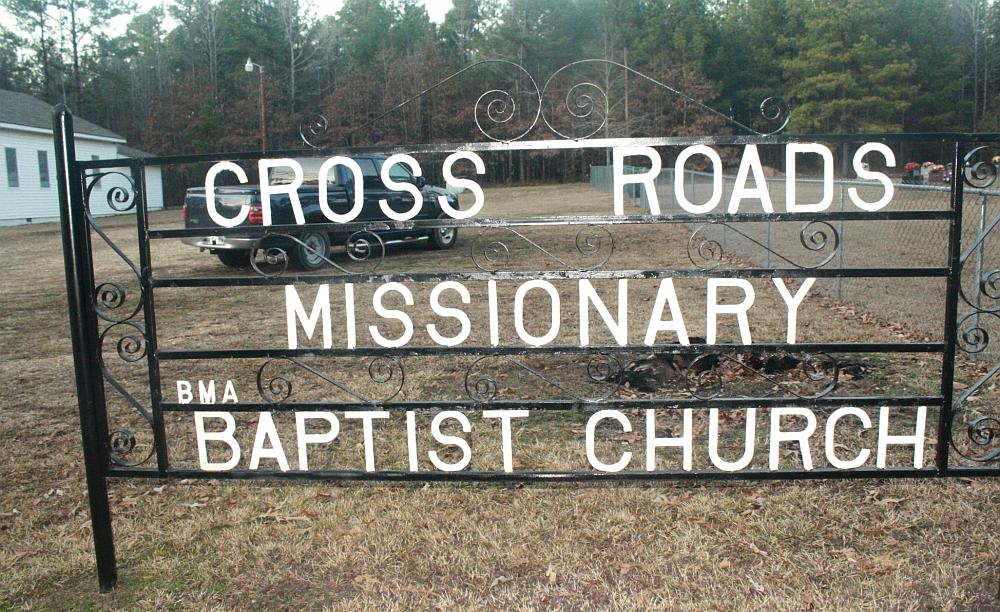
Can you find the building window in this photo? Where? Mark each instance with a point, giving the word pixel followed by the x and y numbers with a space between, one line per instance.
pixel 12 167
pixel 43 169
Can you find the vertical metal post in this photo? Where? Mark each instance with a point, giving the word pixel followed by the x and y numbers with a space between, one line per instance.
pixel 979 269
pixel 951 308
pixel 149 316
pixel 86 344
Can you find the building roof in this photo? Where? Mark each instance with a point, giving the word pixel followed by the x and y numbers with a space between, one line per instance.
pixel 26 110
pixel 126 151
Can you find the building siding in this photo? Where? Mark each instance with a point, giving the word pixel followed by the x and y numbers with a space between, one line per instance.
pixel 30 202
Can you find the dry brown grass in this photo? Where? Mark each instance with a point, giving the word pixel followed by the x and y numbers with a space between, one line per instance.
pixel 926 544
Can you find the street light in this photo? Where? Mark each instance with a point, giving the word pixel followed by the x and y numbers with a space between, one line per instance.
pixel 263 117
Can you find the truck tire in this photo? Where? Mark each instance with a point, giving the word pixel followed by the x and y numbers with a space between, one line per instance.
pixel 442 238
pixel 314 257
pixel 235 258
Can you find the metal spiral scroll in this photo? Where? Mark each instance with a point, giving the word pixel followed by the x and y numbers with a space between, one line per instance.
pixel 594 243
pixel 311 127
pixel 483 387
pixel 130 346
pixel 815 236
pixel 363 247
pixel 587 100
pixel 975 432
pixel 708 382
pixel 978 168
pixel 494 107
pixel 386 373
pixel 118 198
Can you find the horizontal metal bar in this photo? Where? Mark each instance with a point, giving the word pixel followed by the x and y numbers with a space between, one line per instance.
pixel 548 221
pixel 425 277
pixel 726 403
pixel 545 477
pixel 661 349
pixel 552 145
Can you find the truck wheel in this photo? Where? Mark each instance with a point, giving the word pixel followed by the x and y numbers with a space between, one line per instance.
pixel 235 258
pixel 443 237
pixel 313 257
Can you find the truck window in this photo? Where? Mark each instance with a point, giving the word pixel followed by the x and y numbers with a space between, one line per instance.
pixel 282 175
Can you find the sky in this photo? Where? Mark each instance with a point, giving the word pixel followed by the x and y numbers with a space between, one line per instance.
pixel 436 9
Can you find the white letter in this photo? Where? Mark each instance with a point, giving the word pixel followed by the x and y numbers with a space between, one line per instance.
pixel 352 332
pixel 389 313
pixel 411 439
pixel 505 416
pixel 267 431
pixel 831 450
pixel 790 151
pixel 748 441
pixel 491 292
pixel 450 441
pixel 666 295
pixel 740 310
pixel 793 303
pixel 313 438
pixel 588 296
pixel 184 394
pixel 750 161
pixel 646 179
pixel 456 313
pixel 410 188
pixel 684 441
pixel 802 437
pixel 225 435
pixel 471 185
pixel 359 189
pixel 291 189
pixel 206 395
pixel 366 417
pixel 890 162
pixel 213 212
pixel 916 440
pixel 681 197
pixel 592 425
pixel 519 312
pixel 229 393
pixel 297 312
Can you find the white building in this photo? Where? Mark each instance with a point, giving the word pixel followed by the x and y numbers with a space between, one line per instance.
pixel 28 190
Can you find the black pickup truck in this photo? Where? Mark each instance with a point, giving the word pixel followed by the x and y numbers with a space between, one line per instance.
pixel 304 253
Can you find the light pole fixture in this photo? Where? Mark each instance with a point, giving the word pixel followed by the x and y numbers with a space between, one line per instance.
pixel 263 115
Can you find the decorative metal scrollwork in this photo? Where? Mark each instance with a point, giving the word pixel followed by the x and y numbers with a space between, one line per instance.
pixel 483 382
pixel 979 171
pixel 130 346
pixel 594 243
pixel 385 374
pixel 363 247
pixel 820 237
pixel 119 198
pixel 584 101
pixel 708 379
pixel 311 127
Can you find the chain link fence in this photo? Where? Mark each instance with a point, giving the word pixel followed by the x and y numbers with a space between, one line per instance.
pixel 916 303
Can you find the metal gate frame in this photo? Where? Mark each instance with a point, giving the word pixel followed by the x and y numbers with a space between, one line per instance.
pixel 106 449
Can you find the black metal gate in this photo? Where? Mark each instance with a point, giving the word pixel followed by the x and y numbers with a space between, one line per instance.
pixel 106 317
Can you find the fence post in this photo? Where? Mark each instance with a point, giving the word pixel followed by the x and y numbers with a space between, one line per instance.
pixel 951 308
pixel 86 343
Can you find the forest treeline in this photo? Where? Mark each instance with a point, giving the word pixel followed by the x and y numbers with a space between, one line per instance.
pixel 842 66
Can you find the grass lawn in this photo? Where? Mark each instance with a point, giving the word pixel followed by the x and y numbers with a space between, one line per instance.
pixel 921 544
